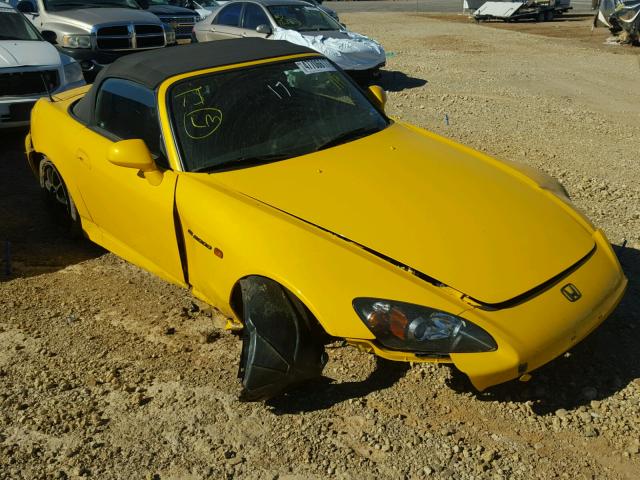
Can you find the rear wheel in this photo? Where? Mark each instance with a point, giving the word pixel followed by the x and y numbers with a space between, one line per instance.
pixel 57 199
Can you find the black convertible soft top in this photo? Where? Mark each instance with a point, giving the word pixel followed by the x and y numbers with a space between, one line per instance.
pixel 152 67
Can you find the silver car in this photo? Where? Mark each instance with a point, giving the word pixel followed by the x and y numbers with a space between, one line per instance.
pixel 296 22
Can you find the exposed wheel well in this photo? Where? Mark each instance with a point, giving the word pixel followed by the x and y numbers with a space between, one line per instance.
pixel 237 305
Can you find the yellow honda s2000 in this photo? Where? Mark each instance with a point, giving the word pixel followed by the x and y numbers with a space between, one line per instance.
pixel 258 175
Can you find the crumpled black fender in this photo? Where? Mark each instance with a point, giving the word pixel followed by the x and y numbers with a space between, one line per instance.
pixel 282 343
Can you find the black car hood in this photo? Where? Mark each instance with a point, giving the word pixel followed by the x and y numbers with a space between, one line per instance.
pixel 171 10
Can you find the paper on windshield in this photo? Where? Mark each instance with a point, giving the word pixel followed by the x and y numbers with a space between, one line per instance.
pixel 351 51
pixel 317 65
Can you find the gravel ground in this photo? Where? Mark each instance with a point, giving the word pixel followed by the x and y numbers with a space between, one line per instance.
pixel 108 372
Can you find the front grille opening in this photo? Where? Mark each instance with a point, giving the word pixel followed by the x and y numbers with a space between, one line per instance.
pixel 115 30
pixel 113 43
pixel 148 29
pixel 28 83
pixel 150 42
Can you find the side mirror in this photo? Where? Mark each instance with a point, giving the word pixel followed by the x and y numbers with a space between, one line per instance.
pixel 378 95
pixel 135 154
pixel 264 29
pixel 25 6
pixel 49 36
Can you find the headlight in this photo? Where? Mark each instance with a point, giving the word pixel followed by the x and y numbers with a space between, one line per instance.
pixel 73 72
pixel 408 327
pixel 76 41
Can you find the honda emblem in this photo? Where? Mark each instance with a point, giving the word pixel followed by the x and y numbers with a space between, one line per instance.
pixel 571 292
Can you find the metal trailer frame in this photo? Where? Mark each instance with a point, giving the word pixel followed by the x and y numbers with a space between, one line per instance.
pixel 536 11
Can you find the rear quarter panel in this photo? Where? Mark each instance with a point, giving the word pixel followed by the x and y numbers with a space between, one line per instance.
pixel 53 134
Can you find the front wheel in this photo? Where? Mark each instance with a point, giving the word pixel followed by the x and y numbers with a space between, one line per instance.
pixel 57 199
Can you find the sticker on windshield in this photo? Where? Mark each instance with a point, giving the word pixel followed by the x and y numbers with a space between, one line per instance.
pixel 317 65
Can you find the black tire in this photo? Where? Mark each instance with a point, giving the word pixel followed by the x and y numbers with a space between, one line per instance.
pixel 57 199
pixel 548 15
pixel 540 17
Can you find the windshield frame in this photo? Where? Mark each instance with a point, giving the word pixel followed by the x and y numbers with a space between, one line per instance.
pixel 30 27
pixel 167 126
pixel 49 5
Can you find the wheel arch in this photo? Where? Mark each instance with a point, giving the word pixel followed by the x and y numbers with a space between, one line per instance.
pixel 236 301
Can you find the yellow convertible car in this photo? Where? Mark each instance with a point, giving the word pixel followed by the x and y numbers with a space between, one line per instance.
pixel 259 176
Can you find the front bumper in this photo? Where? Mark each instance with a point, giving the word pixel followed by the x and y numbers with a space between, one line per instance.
pixel 538 330
pixel 93 61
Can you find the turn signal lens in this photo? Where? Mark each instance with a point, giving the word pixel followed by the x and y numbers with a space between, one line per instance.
pixel 409 327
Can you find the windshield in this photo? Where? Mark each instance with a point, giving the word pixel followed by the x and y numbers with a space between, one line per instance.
pixel 54 5
pixel 262 114
pixel 14 26
pixel 303 18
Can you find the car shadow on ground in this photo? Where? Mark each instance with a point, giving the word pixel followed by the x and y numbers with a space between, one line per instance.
pixel 394 81
pixel 598 367
pixel 322 394
pixel 31 242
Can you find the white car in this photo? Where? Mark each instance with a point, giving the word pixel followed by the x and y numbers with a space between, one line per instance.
pixel 30 68
pixel 299 23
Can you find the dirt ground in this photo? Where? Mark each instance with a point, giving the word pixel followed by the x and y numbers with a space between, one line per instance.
pixel 107 372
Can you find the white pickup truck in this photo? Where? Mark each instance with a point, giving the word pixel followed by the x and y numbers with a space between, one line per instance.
pixel 30 68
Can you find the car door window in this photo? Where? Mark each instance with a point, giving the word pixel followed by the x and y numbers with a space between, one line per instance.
pixel 253 16
pixel 229 16
pixel 127 110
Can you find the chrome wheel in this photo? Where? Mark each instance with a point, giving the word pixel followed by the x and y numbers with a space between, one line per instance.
pixel 57 197
pixel 52 183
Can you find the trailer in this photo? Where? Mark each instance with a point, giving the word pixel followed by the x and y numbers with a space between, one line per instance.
pixel 538 10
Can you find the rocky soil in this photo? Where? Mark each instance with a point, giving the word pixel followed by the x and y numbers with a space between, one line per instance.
pixel 107 372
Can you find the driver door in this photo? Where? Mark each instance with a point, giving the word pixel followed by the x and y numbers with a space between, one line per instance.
pixel 252 16
pixel 226 23
pixel 135 218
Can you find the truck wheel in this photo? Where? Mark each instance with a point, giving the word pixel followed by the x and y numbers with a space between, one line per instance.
pixel 57 198
pixel 282 343
pixel 548 15
pixel 540 17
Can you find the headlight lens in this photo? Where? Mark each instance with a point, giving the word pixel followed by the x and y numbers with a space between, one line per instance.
pixel 73 72
pixel 76 41
pixel 408 327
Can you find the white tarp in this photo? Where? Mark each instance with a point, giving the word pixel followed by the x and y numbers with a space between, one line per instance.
pixel 498 9
pixel 351 51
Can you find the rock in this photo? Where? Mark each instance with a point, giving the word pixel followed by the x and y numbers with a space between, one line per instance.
pixel 589 431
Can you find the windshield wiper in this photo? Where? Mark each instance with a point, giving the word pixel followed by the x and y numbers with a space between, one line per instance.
pixel 348 136
pixel 242 162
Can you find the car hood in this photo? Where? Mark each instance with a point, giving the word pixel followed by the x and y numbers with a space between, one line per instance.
pixel 453 214
pixel 171 10
pixel 351 51
pixel 19 53
pixel 86 18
